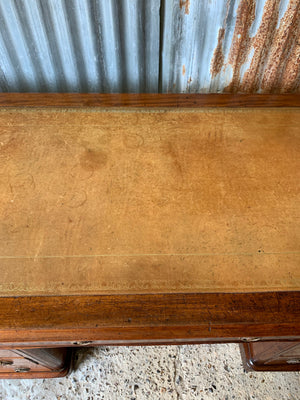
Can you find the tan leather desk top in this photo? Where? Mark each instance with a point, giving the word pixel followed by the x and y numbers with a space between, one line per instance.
pixel 128 201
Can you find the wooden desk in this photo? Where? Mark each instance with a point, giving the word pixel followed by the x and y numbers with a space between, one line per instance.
pixel 129 224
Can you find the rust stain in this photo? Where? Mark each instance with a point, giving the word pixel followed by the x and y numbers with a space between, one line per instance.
pixel 291 75
pixel 261 43
pixel 186 5
pixel 241 41
pixel 283 68
pixel 183 70
pixel 218 57
pixel 275 64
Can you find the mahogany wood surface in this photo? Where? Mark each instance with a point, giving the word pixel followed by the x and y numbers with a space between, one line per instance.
pixel 36 375
pixel 147 100
pixel 34 363
pixel 54 359
pixel 271 356
pixel 157 318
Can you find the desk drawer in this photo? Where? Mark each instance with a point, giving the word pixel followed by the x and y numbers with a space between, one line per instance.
pixel 20 365
pixel 7 354
pixel 34 363
pixel 272 356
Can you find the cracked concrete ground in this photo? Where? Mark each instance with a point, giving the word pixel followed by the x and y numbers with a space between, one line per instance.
pixel 158 372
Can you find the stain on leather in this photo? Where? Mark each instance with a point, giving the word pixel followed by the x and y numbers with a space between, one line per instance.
pixel 93 159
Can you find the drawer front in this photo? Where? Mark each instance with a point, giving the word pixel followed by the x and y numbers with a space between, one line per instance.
pixel 271 356
pixel 7 354
pixel 290 356
pixel 20 364
pixel 34 363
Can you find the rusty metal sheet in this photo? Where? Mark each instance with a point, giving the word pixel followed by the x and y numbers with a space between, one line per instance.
pixel 245 46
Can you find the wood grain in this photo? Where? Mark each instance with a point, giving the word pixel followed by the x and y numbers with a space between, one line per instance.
pixel 271 356
pixel 148 319
pixel 147 100
pixel 103 202
pixel 35 375
pixel 34 363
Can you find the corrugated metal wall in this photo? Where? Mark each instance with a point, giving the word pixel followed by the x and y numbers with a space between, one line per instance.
pixel 150 46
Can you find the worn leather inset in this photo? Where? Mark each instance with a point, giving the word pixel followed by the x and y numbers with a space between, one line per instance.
pixel 140 201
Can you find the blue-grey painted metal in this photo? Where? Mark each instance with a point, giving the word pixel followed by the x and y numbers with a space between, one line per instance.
pixel 137 45
pixel 79 45
pixel 186 66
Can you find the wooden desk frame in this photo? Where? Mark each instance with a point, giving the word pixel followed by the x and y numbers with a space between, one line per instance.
pixel 91 320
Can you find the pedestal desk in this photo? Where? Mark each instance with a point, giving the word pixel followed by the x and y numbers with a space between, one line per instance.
pixel 148 219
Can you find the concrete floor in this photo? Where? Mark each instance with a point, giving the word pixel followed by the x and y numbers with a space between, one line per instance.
pixel 158 372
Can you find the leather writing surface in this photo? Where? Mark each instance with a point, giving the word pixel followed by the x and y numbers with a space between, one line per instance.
pixel 128 201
